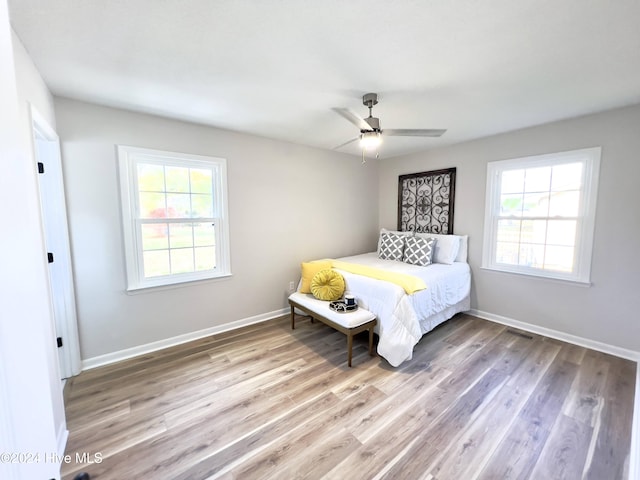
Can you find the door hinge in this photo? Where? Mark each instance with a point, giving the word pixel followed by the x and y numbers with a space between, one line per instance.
pixel 50 257
pixel 59 340
pixel 40 167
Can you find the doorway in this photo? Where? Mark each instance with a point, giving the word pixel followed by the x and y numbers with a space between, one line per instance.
pixel 46 145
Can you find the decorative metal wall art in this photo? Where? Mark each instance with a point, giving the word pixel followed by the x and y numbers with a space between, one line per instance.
pixel 426 200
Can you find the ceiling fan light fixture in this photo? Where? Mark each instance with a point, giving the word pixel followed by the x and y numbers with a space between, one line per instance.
pixel 370 140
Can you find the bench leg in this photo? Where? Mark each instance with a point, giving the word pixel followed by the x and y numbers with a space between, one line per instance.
pixel 293 319
pixel 349 347
pixel 371 340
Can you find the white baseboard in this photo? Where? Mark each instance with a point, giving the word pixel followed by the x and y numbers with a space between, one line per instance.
pixel 558 335
pixel 113 357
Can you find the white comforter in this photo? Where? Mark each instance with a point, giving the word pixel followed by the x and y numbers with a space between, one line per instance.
pixel 402 318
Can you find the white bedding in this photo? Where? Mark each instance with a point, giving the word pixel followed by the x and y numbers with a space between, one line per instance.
pixel 402 318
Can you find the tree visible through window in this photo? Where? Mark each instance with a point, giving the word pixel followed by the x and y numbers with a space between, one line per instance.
pixel 540 214
pixel 174 212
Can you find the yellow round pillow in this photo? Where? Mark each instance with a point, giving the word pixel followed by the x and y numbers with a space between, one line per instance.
pixel 327 285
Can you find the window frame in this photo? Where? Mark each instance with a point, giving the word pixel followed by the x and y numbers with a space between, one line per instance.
pixel 128 159
pixel 583 246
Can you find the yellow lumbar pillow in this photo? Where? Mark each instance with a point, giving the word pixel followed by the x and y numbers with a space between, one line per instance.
pixel 309 269
pixel 327 285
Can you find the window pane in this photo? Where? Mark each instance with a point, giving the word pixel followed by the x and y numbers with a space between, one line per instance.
pixel 566 177
pixel 182 260
pixel 536 204
pixel 202 206
pixel 178 205
pixel 531 255
pixel 154 236
pixel 534 231
pixel 511 205
pixel 559 259
pixel 156 263
pixel 205 258
pixel 507 253
pixel 564 204
pixel 177 179
pixel 152 205
pixel 181 235
pixel 537 179
pixel 562 232
pixel 512 181
pixel 204 235
pixel 201 181
pixel 508 230
pixel 150 178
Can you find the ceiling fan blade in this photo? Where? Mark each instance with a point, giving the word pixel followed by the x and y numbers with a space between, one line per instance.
pixel 414 132
pixel 346 143
pixel 353 117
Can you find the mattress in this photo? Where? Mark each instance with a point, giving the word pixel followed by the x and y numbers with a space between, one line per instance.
pixel 403 319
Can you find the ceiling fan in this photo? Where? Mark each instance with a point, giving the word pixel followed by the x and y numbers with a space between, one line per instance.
pixel 370 132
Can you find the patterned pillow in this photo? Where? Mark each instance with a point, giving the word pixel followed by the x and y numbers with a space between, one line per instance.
pixel 419 251
pixel 391 246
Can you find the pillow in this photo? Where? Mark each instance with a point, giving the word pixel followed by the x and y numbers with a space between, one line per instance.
pixel 309 269
pixel 418 250
pixel 391 246
pixel 464 247
pixel 327 285
pixel 446 248
pixel 397 232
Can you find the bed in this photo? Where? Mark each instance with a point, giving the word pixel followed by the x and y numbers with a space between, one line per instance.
pixel 404 318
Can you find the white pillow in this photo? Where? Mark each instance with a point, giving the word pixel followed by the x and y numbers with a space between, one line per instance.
pixel 464 247
pixel 447 247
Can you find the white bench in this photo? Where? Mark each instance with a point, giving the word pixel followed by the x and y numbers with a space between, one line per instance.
pixel 350 323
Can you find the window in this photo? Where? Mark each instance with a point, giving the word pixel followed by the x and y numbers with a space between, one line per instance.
pixel 174 214
pixel 540 214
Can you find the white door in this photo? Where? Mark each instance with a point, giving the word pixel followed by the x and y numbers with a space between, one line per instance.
pixel 54 217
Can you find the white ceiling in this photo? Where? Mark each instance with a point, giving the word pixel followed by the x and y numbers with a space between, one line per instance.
pixel 276 68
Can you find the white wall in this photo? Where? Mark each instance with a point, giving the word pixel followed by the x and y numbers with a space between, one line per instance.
pixel 287 204
pixel 31 87
pixel 33 93
pixel 606 311
pixel 30 389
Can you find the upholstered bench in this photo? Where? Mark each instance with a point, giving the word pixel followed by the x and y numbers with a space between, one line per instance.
pixel 350 323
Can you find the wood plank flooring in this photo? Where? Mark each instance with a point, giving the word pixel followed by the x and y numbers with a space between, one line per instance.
pixel 477 401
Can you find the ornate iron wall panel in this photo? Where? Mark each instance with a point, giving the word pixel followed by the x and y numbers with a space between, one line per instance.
pixel 426 201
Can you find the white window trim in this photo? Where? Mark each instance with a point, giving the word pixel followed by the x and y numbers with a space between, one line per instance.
pixel 128 158
pixel 590 157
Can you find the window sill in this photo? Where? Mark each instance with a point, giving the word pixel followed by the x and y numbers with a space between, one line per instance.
pixel 577 283
pixel 171 286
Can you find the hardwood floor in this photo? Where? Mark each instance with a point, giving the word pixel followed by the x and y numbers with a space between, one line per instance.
pixel 478 400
